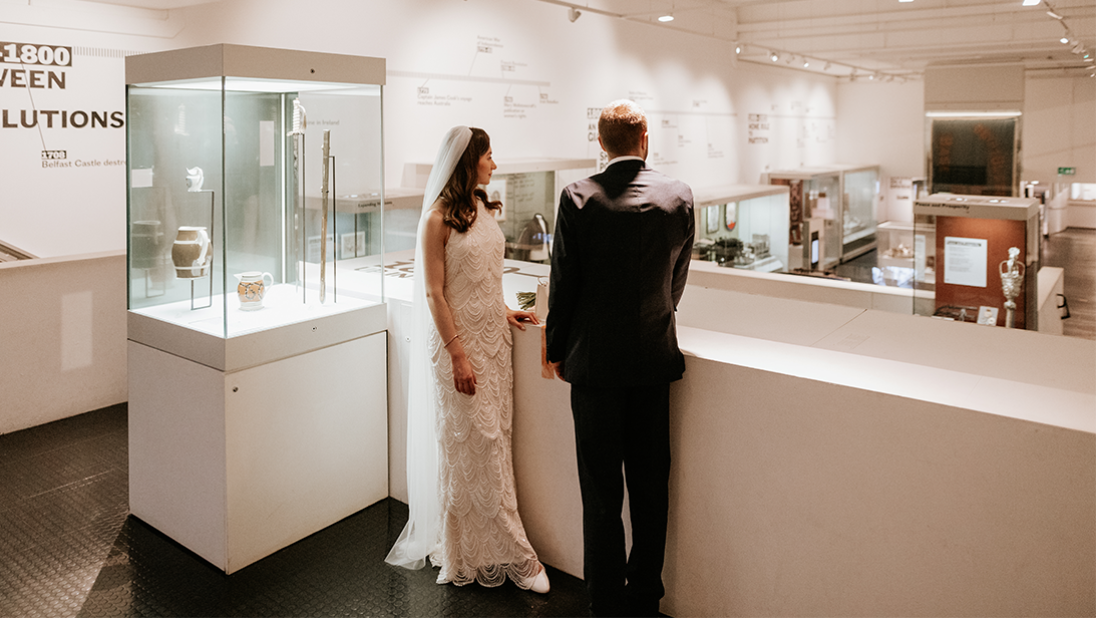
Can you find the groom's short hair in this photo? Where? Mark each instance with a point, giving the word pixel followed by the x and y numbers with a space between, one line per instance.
pixel 621 126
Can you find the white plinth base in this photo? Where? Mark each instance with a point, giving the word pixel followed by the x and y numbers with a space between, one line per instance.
pixel 235 466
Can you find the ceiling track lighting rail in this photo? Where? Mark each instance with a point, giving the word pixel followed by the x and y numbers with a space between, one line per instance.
pixel 795 61
pixel 1068 38
pixel 741 50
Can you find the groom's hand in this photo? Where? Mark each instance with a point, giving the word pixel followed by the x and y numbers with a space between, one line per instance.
pixel 558 368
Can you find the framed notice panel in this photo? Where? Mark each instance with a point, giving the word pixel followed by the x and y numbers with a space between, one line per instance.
pixel 977 259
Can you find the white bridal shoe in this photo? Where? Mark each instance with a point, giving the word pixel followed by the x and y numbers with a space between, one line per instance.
pixel 540 582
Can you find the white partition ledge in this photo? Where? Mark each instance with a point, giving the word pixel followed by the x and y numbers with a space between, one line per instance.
pixel 62 337
pixel 1013 399
pixel 834 460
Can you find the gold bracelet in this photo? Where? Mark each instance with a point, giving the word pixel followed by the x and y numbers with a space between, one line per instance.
pixel 451 340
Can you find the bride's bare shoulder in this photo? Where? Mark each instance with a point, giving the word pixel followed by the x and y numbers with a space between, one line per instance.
pixel 435 221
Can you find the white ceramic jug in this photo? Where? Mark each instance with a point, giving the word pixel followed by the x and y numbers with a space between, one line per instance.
pixel 251 289
pixel 192 253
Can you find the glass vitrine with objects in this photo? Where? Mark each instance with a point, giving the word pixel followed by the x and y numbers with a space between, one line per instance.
pixel 976 259
pixel 246 187
pixel 529 190
pixel 257 376
pixel 742 226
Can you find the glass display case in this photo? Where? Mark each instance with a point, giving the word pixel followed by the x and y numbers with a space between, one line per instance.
pixel 895 260
pixel 813 234
pixel 743 226
pixel 529 191
pixel 258 409
pixel 858 214
pixel 251 173
pixel 976 259
pixel 833 212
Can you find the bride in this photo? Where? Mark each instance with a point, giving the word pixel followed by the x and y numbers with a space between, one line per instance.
pixel 463 507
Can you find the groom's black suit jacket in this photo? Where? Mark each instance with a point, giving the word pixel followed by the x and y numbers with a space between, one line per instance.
pixel 620 258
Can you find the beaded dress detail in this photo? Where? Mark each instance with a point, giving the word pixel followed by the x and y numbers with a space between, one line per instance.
pixel 481 537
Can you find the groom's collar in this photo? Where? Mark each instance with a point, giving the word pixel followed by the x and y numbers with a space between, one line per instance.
pixel 626 158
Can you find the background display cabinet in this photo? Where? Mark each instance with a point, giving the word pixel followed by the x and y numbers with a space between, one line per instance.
pixel 529 191
pixel 859 206
pixel 812 229
pixel 257 406
pixel 833 212
pixel 743 226
pixel 976 259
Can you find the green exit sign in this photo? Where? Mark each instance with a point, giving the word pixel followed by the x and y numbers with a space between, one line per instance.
pixel 1067 171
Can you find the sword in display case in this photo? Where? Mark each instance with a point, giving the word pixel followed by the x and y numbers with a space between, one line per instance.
pixel 300 123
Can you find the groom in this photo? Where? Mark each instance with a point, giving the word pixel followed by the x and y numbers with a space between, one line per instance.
pixel 620 258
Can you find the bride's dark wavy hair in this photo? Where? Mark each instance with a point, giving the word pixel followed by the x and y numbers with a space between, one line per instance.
pixel 458 198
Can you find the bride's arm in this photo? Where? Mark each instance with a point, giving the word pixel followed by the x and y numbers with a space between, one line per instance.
pixel 435 235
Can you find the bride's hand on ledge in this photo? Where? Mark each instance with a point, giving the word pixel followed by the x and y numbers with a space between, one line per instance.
pixel 516 318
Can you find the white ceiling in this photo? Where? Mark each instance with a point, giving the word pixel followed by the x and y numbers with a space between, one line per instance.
pixel 861 39
pixel 887 37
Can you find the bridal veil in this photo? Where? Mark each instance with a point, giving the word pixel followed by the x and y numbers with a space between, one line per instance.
pixel 420 536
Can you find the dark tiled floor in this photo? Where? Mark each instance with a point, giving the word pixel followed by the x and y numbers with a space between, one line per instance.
pixel 69 548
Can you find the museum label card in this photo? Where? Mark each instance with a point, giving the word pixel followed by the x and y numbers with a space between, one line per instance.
pixel 965 261
pixel 987 316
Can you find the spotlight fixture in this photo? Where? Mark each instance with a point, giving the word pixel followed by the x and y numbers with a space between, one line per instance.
pixel 806 63
pixel 573 14
pixel 737 48
pixel 773 56
pixel 1032 2
pixel 1064 40
pixel 871 76
pixel 827 66
pixel 667 17
pixel 790 59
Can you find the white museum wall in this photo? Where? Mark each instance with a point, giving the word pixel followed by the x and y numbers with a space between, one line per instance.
pixel 519 69
pixel 75 203
pixel 884 124
pixel 1059 128
pixel 533 89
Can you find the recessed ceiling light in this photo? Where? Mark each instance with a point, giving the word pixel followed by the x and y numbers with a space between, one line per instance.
pixel 774 57
pixel 806 63
pixel 666 18
pixel 905 0
pixel 1031 2
pixel 738 49
pixel 1064 40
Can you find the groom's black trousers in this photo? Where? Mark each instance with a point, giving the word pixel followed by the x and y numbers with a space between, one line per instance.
pixel 629 427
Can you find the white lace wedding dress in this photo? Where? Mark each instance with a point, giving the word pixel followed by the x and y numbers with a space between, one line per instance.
pixel 481 537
